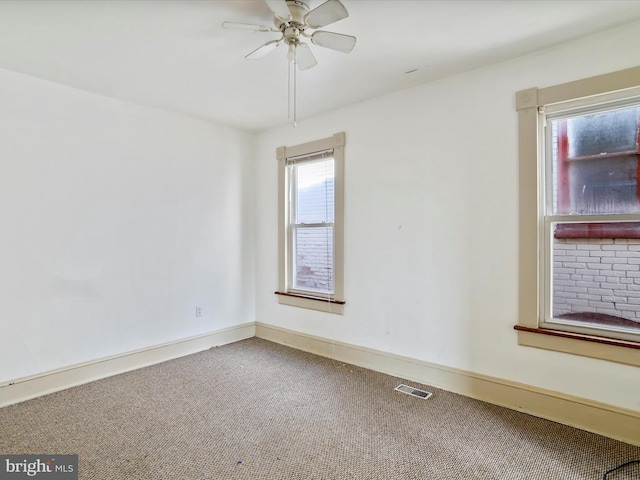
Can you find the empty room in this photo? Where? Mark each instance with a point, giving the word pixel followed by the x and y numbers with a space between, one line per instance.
pixel 310 239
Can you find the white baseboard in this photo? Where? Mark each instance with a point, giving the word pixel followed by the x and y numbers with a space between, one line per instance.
pixel 608 420
pixel 27 388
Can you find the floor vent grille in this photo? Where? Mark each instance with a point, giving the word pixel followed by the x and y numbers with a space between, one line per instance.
pixel 413 391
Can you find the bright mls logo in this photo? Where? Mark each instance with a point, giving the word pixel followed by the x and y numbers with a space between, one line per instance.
pixel 46 467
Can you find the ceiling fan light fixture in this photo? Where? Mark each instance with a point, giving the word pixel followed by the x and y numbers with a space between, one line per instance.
pixel 291 54
pixel 304 57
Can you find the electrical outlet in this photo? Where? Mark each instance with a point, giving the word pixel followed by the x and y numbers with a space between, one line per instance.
pixel 198 311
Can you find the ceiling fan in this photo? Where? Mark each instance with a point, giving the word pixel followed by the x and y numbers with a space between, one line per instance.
pixel 293 19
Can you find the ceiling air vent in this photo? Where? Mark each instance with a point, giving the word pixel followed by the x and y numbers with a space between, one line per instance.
pixel 413 391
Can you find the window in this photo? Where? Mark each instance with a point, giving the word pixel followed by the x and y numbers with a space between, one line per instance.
pixel 580 217
pixel 310 233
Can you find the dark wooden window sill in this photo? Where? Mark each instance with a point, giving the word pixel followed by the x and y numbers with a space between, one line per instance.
pixel 579 336
pixel 311 297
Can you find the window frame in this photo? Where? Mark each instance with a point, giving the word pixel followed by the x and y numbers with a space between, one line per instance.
pixel 287 295
pixel 529 104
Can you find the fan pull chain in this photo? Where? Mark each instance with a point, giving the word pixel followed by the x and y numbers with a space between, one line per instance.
pixel 292 95
pixel 289 90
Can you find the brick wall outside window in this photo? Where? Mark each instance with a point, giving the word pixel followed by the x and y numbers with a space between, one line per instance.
pixel 597 275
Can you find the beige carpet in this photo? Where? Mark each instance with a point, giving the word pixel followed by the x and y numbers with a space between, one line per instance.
pixel 257 410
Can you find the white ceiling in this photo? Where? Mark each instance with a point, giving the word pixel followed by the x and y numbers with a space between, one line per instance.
pixel 174 54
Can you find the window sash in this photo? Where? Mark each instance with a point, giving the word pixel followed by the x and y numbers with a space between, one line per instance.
pixel 567 110
pixel 293 287
pixel 293 196
pixel 294 226
pixel 547 319
pixel 547 138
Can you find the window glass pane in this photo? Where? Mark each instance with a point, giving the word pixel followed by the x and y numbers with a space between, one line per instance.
pixel 596 281
pixel 313 259
pixel 314 195
pixel 604 186
pixel 613 131
pixel 594 172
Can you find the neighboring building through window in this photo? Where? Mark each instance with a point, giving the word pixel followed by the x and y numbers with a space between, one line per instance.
pixel 595 164
pixel 580 217
pixel 311 224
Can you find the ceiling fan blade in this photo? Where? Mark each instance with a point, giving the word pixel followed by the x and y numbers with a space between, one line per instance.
pixel 329 12
pixel 304 57
pixel 249 26
pixel 279 8
pixel 335 41
pixel 263 50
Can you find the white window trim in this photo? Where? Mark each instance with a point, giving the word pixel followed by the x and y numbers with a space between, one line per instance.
pixel 531 220
pixel 326 303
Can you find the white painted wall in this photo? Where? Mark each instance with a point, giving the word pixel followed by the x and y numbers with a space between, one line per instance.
pixel 432 226
pixel 117 220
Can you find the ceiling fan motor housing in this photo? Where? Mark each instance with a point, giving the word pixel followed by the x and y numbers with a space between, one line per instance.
pixel 293 27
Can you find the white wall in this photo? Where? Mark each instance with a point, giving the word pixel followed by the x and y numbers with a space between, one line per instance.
pixel 117 220
pixel 432 226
